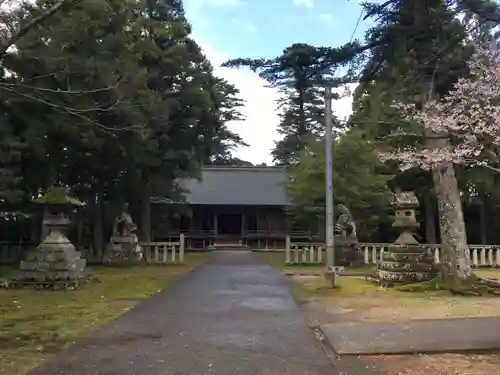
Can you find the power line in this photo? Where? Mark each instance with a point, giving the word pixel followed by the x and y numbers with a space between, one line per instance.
pixel 357 23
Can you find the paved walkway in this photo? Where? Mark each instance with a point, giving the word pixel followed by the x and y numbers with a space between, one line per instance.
pixel 233 315
pixel 416 336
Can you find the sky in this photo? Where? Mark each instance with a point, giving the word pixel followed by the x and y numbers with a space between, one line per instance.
pixel 227 29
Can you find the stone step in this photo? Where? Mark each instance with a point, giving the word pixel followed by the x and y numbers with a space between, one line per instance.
pixel 406 267
pixel 403 277
pixel 407 257
pixel 228 246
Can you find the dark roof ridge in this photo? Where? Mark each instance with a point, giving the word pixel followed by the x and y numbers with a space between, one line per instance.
pixel 259 168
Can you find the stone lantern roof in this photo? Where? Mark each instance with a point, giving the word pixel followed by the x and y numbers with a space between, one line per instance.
pixel 59 195
pixel 404 200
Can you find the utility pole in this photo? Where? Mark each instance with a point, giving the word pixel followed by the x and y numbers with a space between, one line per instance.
pixel 330 252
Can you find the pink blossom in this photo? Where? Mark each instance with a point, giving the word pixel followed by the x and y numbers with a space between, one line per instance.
pixel 469 116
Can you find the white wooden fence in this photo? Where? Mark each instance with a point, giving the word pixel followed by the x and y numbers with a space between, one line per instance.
pixel 164 252
pixel 481 255
pixel 303 252
pixel 313 253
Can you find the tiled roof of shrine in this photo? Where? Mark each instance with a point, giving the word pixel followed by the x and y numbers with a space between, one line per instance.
pixel 235 185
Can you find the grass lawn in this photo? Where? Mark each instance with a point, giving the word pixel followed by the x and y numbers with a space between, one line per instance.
pixel 36 324
pixel 363 301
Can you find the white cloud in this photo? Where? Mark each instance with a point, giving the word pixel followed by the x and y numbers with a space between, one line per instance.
pixel 259 127
pixel 342 107
pixel 304 3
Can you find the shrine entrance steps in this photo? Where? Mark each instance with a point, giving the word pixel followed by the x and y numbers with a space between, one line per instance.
pixel 229 246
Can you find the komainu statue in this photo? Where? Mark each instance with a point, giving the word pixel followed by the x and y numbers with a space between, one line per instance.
pixel 124 245
pixel 124 226
pixel 345 225
pixel 346 238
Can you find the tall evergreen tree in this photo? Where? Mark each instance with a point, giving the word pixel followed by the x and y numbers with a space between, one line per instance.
pixel 111 98
pixel 299 74
pixel 301 113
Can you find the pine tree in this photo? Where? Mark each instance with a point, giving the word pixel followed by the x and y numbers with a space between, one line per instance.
pixel 296 72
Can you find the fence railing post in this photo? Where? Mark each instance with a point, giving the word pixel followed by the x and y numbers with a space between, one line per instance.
pixel 181 248
pixel 437 255
pixel 288 249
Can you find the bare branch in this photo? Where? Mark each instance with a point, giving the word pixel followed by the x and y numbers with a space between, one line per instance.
pixel 58 91
pixel 490 167
pixel 484 165
pixel 12 39
pixel 74 112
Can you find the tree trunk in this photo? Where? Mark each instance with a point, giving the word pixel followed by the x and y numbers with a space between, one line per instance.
pixel 36 225
pixel 455 255
pixel 430 220
pixel 97 230
pixel 145 214
pixel 483 218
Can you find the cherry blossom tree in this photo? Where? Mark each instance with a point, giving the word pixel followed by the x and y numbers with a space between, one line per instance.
pixel 462 128
pixel 468 118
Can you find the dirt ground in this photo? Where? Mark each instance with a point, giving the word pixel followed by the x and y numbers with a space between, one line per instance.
pixel 358 300
pixel 442 364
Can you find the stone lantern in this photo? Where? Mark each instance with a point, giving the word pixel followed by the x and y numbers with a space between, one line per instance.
pixel 57 206
pixel 405 205
pixel 405 261
pixel 55 262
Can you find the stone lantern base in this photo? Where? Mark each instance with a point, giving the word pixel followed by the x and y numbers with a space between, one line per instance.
pixel 404 264
pixel 55 263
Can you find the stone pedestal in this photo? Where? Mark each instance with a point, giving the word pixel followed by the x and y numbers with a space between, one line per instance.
pixel 55 262
pixel 404 264
pixel 122 250
pixel 346 253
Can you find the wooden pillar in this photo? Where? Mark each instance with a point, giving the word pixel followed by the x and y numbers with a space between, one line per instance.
pixel 268 226
pixel 216 230
pixel 181 249
pixel 288 250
